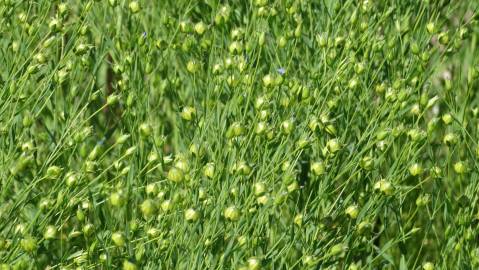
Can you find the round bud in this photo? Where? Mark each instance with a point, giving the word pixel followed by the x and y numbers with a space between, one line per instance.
pixel 166 205
pixel 188 113
pixel 259 188
pixel 148 208
pixel 88 229
pixel 127 265
pixel 29 244
pixel 145 130
pixel 318 168
pixel 116 199
pixel 209 170
pixel 192 215
pixel 428 266
pixel 232 213
pixel 460 167
pixel 118 239
pixel 134 7
pixel 50 232
pixel 175 175
pixel 352 211
pixel 415 169
pixel 254 263
pixel 53 172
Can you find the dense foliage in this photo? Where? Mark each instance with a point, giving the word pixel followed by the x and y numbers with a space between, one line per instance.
pixel 241 134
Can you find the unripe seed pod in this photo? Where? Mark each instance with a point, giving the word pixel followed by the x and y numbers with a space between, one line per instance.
pixel 117 199
pixel 145 130
pixel 263 200
pixel 337 249
pixel 450 139
pixel 192 66
pixel 209 170
pixel 232 213
pixel 118 239
pixel 192 215
pixel 254 263
pixel 460 167
pixel 127 265
pixel 384 187
pixel 293 186
pixel 415 169
pixel 29 244
pixel 431 28
pixel 287 126
pixel 447 118
pixel 188 113
pixel 298 220
pixel 318 168
pixel 243 168
pixel 151 189
pixel 50 232
pixel 268 80
pixel 428 266
pixel 122 138
pixel 71 179
pixel 262 38
pixel 175 175
pixel 200 28
pixel 367 163
pixel 88 229
pixel 352 211
pixel 148 208
pixel 166 205
pixel 422 200
pixel 259 188
pixel 443 38
pixel 134 7
pixel 53 172
pixel 333 146
pixel 80 215
pixel 112 99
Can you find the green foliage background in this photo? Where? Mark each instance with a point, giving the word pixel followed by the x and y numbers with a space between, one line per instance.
pixel 273 134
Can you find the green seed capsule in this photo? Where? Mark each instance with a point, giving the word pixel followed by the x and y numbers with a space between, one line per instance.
pixel 333 146
pixel 127 265
pixel 50 232
pixel 134 7
pixel 367 163
pixel 188 113
pixel 148 208
pixel 192 215
pixel 232 213
pixel 352 211
pixel 460 167
pixel 117 199
pixel 287 127
pixel 166 205
pixel 415 169
pixel 384 187
pixel 254 263
pixel 88 229
pixel 259 188
pixel 175 175
pixel 428 266
pixel 337 249
pixel 318 168
pixel 53 172
pixel 118 239
pixel 447 118
pixel 209 170
pixel 145 130
pixel 29 244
